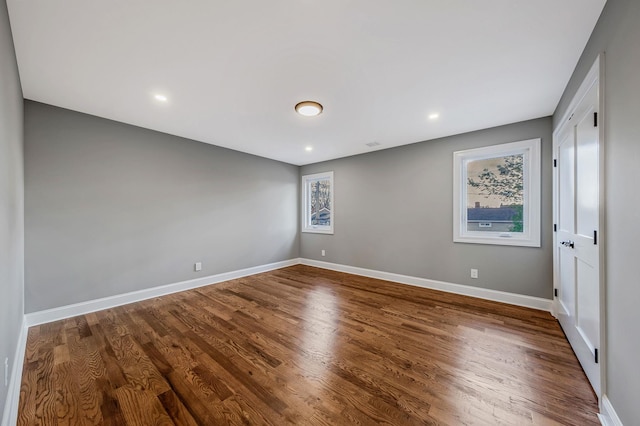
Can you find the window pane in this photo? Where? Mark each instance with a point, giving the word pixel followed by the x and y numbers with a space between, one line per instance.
pixel 495 194
pixel 320 202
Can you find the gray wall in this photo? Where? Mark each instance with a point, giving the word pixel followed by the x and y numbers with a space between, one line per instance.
pixel 11 202
pixel 394 213
pixel 112 208
pixel 618 35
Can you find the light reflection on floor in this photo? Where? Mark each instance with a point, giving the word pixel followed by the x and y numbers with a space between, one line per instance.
pixel 319 331
pixel 465 374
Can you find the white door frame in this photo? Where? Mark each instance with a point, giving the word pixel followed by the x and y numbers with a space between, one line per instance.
pixel 595 74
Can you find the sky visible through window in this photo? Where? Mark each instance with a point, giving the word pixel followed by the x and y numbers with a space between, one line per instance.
pixel 498 181
pixel 495 194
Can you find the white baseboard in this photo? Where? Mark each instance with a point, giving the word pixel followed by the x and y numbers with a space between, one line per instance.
pixel 55 314
pixel 68 311
pixel 481 293
pixel 10 414
pixel 608 416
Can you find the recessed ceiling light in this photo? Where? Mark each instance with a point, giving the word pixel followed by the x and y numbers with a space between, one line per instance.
pixel 308 108
pixel 160 98
pixel 434 116
pixel 309 149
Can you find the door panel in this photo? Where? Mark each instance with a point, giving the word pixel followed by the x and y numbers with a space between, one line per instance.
pixel 587 173
pixel 566 193
pixel 566 224
pixel 567 275
pixel 587 315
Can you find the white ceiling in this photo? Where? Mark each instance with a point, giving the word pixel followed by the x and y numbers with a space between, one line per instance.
pixel 233 70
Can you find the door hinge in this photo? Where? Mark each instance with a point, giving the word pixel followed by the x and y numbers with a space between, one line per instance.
pixel 555 292
pixel 595 238
pixel 555 163
pixel 596 355
pixel 595 119
pixel 555 227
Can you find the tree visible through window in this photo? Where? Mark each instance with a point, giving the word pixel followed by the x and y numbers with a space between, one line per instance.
pixel 320 202
pixel 317 209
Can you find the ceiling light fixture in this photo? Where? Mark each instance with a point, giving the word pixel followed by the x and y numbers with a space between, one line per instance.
pixel 309 149
pixel 161 98
pixel 308 108
pixel 433 116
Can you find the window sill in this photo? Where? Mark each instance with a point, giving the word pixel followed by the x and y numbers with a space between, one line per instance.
pixel 317 231
pixel 498 241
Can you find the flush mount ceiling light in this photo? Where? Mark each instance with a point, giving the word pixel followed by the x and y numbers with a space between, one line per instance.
pixel 434 116
pixel 160 98
pixel 308 108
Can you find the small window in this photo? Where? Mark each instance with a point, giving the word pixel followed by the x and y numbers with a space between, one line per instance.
pixel 497 194
pixel 317 208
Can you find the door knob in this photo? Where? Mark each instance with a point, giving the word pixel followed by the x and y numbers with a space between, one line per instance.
pixel 569 244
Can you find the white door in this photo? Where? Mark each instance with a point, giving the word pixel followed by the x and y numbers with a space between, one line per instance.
pixel 576 242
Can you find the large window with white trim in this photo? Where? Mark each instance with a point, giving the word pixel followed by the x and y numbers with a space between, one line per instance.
pixel 317 203
pixel 497 194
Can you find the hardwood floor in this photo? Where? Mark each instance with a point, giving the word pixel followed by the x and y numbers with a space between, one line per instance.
pixel 305 346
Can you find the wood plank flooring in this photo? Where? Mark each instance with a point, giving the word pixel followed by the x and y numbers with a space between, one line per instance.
pixel 305 346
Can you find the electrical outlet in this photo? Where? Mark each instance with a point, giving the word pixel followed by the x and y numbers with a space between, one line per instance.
pixel 6 372
pixel 474 273
pixel 323 253
pixel 198 266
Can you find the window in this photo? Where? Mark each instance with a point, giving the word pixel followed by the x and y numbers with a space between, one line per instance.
pixel 497 194
pixel 317 208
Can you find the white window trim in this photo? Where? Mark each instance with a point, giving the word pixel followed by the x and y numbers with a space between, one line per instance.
pixel 532 182
pixel 306 213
